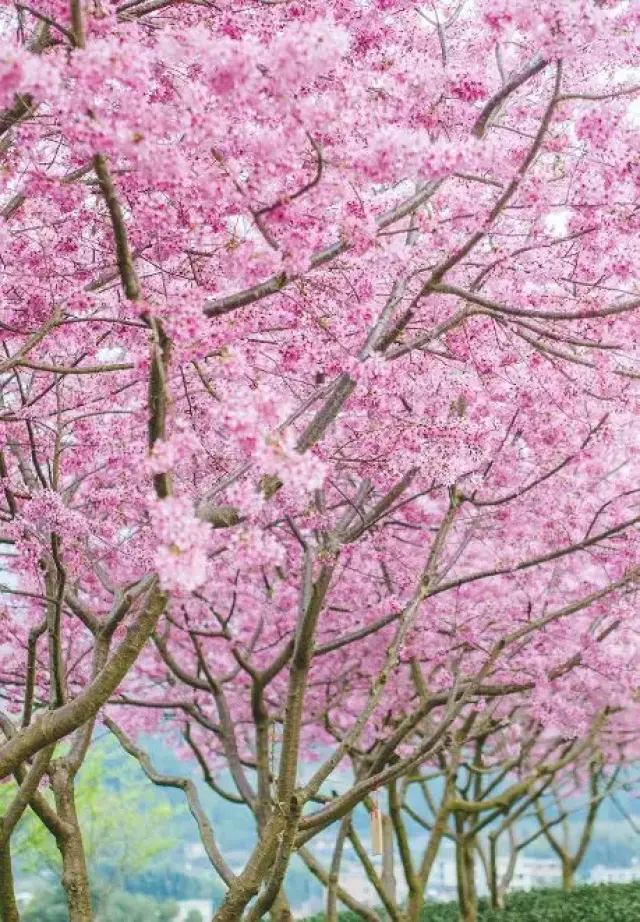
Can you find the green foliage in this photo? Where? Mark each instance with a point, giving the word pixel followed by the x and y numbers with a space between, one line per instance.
pixel 124 825
pixel 605 903
pixel 51 906
pixel 128 907
pixel 166 883
pixel 194 916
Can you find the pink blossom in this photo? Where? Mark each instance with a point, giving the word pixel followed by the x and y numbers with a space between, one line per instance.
pixel 181 554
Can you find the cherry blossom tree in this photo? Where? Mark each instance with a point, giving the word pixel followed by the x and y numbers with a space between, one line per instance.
pixel 497 772
pixel 317 379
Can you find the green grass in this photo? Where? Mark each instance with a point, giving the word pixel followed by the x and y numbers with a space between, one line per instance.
pixel 604 903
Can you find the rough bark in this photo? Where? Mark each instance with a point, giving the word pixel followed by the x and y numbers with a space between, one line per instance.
pixel 75 875
pixel 8 905
pixel 281 911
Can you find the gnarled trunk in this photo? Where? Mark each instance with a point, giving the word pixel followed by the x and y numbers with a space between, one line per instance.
pixel 75 876
pixel 8 906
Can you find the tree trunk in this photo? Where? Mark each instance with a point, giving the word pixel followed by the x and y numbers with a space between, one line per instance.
pixel 75 876
pixel 468 908
pixel 75 879
pixel 247 885
pixel 568 876
pixel 280 911
pixel 460 873
pixel 334 871
pixel 415 904
pixel 470 873
pixel 465 871
pixel 494 886
pixel 498 889
pixel 8 906
pixel 388 873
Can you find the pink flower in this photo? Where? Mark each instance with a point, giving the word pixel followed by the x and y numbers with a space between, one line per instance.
pixel 467 89
pixel 181 555
pixel 358 227
pixel 12 74
pixel 167 453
